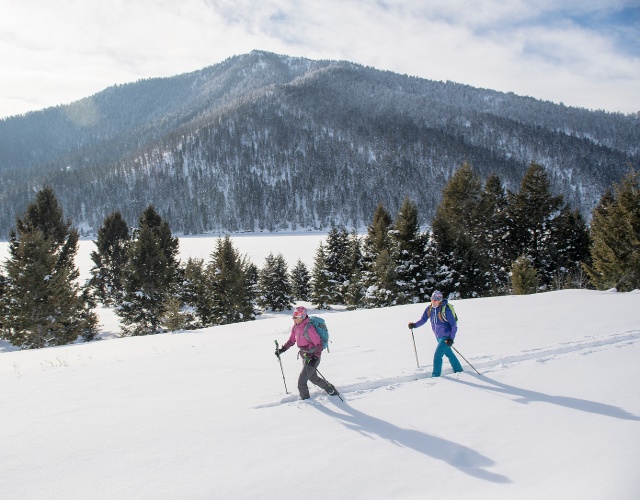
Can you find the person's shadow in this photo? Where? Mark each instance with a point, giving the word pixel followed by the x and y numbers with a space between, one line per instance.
pixel 461 457
pixel 525 396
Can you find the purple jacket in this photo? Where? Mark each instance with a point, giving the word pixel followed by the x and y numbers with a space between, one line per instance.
pixel 443 328
pixel 309 343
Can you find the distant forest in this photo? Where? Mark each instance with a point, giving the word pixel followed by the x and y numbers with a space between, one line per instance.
pixel 268 142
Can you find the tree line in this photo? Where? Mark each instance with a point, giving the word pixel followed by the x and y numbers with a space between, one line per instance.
pixel 483 241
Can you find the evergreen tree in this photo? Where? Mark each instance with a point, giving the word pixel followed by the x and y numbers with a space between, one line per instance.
pixel 3 287
pixel 378 275
pixel 151 276
pixel 569 249
pixel 385 290
pixel 192 290
pixel 492 233
pixel 460 265
pixel 355 294
pixel 176 316
pixel 615 236
pixel 227 286
pixel 408 250
pixel 42 304
pixel 338 263
pixel 251 277
pixel 274 284
pixel 524 277
pixel 320 283
pixel 110 259
pixel 300 282
pixel 531 220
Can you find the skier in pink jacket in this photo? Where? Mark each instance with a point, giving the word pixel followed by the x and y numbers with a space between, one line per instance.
pixel 304 334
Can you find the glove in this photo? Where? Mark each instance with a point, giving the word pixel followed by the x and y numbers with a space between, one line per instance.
pixel 449 342
pixel 412 326
pixel 280 351
pixel 311 360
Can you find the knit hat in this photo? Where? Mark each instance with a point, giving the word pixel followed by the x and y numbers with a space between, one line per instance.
pixel 437 295
pixel 300 312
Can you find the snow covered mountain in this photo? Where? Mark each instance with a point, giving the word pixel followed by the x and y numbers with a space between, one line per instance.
pixel 269 142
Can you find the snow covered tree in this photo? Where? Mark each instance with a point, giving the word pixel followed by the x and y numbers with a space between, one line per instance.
pixel 461 267
pixel 110 259
pixel 379 270
pixel 300 282
pixel 337 261
pixel 42 304
pixel 151 276
pixel 274 284
pixel 321 286
pixel 615 235
pixel 408 251
pixel 355 293
pixel 492 233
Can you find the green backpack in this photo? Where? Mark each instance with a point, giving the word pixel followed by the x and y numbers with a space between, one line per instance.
pixel 442 315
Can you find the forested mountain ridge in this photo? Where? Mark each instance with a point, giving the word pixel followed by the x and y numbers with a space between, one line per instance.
pixel 269 142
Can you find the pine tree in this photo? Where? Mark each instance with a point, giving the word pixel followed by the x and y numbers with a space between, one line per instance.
pixel 615 236
pixel 192 289
pixel 42 304
pixel 531 220
pixel 338 263
pixel 320 283
pixel 355 293
pixel 385 290
pixel 459 265
pixel 274 284
pixel 251 277
pixel 110 259
pixel 569 249
pixel 408 251
pixel 227 286
pixel 379 275
pixel 3 287
pixel 524 277
pixel 176 317
pixel 492 234
pixel 300 282
pixel 151 276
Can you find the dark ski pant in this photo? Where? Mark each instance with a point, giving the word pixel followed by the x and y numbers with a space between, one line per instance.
pixel 309 373
pixel 444 350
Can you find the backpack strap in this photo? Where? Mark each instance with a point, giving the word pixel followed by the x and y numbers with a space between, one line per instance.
pixel 442 315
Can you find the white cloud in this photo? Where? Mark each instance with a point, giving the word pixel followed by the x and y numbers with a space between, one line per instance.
pixel 56 52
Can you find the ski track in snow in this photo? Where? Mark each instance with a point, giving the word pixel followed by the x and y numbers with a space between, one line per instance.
pixel 484 364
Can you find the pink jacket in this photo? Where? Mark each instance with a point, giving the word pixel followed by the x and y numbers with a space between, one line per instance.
pixel 309 343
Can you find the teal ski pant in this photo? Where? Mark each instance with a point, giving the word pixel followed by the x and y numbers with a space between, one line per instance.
pixel 444 350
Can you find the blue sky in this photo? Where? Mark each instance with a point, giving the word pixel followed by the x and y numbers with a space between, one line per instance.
pixel 581 53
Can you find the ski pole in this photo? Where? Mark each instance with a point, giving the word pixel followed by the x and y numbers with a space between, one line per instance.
pixel 281 369
pixel 414 348
pixel 318 372
pixel 465 360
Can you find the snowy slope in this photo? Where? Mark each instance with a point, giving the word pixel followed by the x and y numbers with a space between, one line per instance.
pixel 202 415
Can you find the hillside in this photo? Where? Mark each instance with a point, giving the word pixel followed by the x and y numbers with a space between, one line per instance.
pixel 204 414
pixel 269 142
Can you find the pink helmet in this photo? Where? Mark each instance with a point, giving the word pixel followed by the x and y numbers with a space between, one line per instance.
pixel 300 312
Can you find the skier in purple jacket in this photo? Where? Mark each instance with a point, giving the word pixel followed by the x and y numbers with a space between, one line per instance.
pixel 444 326
pixel 304 334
